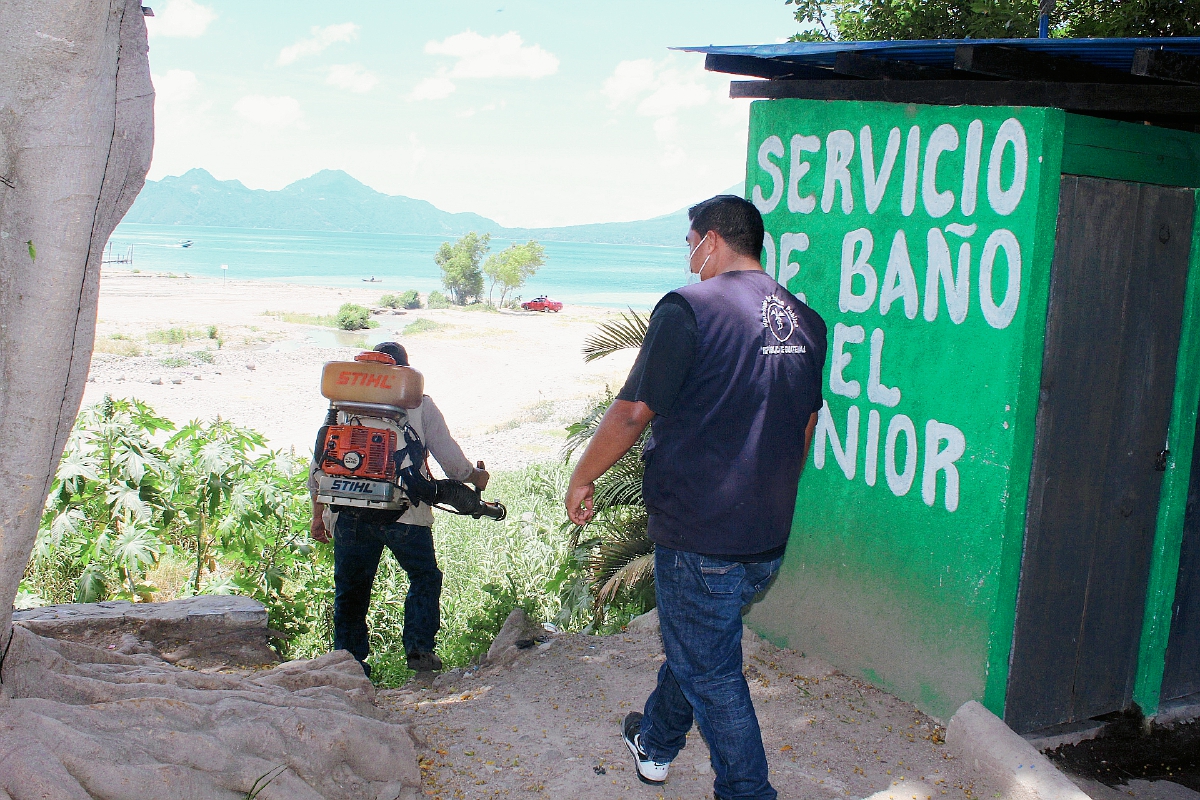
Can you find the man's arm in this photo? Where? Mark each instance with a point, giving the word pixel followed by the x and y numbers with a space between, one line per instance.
pixel 808 434
pixel 447 452
pixel 619 430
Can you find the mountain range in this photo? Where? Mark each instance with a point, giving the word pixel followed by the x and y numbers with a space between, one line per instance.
pixel 332 200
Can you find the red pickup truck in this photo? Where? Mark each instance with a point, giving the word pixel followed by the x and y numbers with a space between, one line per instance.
pixel 542 303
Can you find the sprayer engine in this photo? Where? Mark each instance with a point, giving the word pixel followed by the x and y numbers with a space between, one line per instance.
pixel 358 469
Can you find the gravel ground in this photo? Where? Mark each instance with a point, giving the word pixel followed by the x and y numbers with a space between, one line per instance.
pixel 546 726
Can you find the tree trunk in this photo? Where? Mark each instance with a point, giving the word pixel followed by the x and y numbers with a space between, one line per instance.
pixel 76 134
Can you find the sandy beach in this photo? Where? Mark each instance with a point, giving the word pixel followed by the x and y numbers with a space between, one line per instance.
pixel 507 382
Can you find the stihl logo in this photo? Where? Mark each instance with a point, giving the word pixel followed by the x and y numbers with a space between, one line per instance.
pixel 362 487
pixel 348 378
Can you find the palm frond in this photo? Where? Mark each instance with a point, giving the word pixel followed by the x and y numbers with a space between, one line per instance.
pixel 627 332
pixel 580 433
pixel 632 575
pixel 622 484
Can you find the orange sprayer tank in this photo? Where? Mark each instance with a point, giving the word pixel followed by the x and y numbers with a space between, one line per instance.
pixel 372 381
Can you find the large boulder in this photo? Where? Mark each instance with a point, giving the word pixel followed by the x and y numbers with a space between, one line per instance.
pixel 205 631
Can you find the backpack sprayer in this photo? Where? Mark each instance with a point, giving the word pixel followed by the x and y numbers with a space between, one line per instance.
pixel 368 457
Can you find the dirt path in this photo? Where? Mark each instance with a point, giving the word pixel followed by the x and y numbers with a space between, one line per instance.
pixel 546 726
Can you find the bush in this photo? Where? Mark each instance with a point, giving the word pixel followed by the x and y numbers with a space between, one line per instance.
pixel 171 335
pixel 422 326
pixel 437 300
pixel 409 299
pixel 175 361
pixel 353 317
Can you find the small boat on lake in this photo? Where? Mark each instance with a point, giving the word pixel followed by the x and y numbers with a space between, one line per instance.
pixel 372 279
pixel 186 243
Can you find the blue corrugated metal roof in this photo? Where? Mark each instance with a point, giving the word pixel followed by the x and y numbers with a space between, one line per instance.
pixel 1113 53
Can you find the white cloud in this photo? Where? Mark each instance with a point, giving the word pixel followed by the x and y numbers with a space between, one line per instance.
pixel 185 18
pixel 494 56
pixel 629 80
pixel 176 86
pixel 352 78
pixel 268 112
pixel 321 39
pixel 435 88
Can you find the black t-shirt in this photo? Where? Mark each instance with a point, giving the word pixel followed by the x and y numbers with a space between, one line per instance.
pixel 666 357
pixel 662 366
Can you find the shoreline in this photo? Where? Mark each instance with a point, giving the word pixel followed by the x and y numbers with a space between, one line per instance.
pixel 507 382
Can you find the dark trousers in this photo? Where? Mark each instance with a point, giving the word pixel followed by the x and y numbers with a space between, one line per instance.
pixel 357 548
pixel 700 602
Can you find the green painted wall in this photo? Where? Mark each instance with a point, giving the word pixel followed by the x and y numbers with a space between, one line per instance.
pixel 905 553
pixel 1168 538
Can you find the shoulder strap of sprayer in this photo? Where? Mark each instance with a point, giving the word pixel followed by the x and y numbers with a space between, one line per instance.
pixel 409 460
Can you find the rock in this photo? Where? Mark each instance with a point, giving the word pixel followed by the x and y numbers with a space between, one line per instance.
pixel 250 366
pixel 644 622
pixel 156 381
pixel 84 722
pixel 197 378
pixel 518 635
pixel 176 381
pixel 204 631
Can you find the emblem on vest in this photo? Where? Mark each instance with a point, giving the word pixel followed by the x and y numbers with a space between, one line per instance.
pixel 782 322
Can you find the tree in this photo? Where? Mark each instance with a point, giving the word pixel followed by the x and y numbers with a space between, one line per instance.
pixel 826 20
pixel 511 267
pixel 459 263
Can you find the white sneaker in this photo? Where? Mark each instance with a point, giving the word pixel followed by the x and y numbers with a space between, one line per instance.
pixel 648 770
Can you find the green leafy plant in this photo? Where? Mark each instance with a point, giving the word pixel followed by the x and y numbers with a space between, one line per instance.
pixel 408 300
pixel 460 266
pixel 422 325
pixel 353 317
pixel 171 335
pixel 511 267
pixel 438 300
pixel 175 361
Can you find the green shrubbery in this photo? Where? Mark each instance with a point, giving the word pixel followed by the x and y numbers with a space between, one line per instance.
pixel 353 317
pixel 438 300
pixel 209 509
pixel 409 300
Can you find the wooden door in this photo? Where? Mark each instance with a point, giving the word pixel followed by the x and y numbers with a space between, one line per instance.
pixel 1108 376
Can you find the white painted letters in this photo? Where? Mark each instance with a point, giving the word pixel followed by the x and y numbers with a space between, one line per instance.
pixel 944 139
pixel 939 272
pixel 839 149
pixel 876 391
pixel 900 482
pixel 842 336
pixel 970 187
pixel 846 457
pixel 859 240
pixel 796 203
pixel 1005 201
pixel 899 282
pixel 871 462
pixel 875 185
pixel 790 243
pixel 771 146
pixel 912 152
pixel 1000 316
pixel 942 460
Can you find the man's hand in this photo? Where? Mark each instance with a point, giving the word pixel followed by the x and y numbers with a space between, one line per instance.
pixel 317 527
pixel 480 477
pixel 579 502
pixel 618 431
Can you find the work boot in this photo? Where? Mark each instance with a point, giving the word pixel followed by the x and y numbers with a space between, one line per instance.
pixel 424 662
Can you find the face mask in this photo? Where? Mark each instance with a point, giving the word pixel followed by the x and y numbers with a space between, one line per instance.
pixel 696 277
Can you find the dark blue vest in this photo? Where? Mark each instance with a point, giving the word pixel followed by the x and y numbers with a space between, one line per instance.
pixel 723 466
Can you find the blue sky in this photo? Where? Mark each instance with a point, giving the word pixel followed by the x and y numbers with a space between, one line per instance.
pixel 531 112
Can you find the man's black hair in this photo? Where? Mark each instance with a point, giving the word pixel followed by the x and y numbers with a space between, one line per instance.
pixel 395 350
pixel 736 220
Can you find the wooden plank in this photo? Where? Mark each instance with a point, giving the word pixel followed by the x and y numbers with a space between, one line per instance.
pixel 860 65
pixel 1157 277
pixel 1112 334
pixel 1144 102
pixel 1074 425
pixel 1166 65
pixel 1014 63
pixel 764 67
pixel 1124 151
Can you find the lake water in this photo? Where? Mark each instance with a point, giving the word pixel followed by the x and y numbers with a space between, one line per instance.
pixel 575 272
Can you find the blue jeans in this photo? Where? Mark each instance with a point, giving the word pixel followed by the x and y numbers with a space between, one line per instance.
pixel 357 547
pixel 700 602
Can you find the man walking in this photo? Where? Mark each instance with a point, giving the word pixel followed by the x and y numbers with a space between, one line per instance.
pixel 730 375
pixel 360 536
